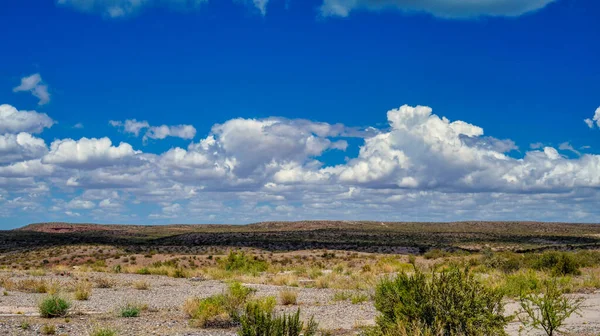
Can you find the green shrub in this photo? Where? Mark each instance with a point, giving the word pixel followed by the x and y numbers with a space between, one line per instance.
pixel 210 312
pixel 221 310
pixel 436 254
pixel 25 325
pixel 520 283
pixel 549 310
pixel 239 261
pixel 359 298
pixel 143 271
pixel 559 263
pixel 259 320
pixel 130 310
pixel 451 302
pixel 53 306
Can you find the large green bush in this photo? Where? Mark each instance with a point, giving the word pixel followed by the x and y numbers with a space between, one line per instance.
pixel 450 302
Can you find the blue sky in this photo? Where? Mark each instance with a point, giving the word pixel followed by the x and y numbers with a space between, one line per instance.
pixel 278 110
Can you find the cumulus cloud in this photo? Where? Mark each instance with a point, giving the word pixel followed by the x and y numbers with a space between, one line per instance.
pixel 126 8
pixel 87 153
pixel 440 8
pixel 594 120
pixel 37 88
pixel 422 166
pixel 22 146
pixel 15 121
pixel 133 126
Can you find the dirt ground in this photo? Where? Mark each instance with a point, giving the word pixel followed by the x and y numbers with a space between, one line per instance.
pixel 165 297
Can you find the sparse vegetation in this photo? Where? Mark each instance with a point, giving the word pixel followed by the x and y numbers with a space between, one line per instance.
pixel 502 261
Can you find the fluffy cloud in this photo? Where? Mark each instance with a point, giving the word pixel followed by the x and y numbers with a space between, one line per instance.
pixel 15 121
pixel 155 132
pixel 595 119
pixel 423 151
pixel 125 8
pixel 422 166
pixel 22 146
pixel 441 8
pixel 34 85
pixel 87 153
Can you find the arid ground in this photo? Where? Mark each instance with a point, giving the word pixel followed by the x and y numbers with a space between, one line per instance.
pixel 329 268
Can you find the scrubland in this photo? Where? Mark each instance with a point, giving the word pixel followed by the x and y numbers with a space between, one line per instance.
pixel 132 287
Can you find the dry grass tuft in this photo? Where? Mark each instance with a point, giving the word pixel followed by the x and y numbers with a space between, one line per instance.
pixel 288 297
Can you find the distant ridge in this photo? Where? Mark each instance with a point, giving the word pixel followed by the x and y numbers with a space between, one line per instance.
pixel 309 225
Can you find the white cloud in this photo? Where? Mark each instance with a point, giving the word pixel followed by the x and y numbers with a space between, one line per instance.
pixel 80 204
pixel 15 121
pixel 126 8
pixel 536 145
pixel 568 147
pixel 87 153
pixel 179 131
pixel 22 146
pixel 35 85
pixel 155 132
pixel 422 167
pixel 595 119
pixel 130 126
pixel 440 8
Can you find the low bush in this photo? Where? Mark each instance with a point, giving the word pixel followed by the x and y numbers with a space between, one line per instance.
pixel 48 329
pixel 288 297
pixel 436 254
pixel 450 302
pixel 520 283
pixel 130 310
pixel 141 285
pixel 210 312
pixel 259 320
pixel 83 290
pixel 559 263
pixel 103 332
pixel 53 306
pixel 218 311
pixel 239 261
pixel 104 282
